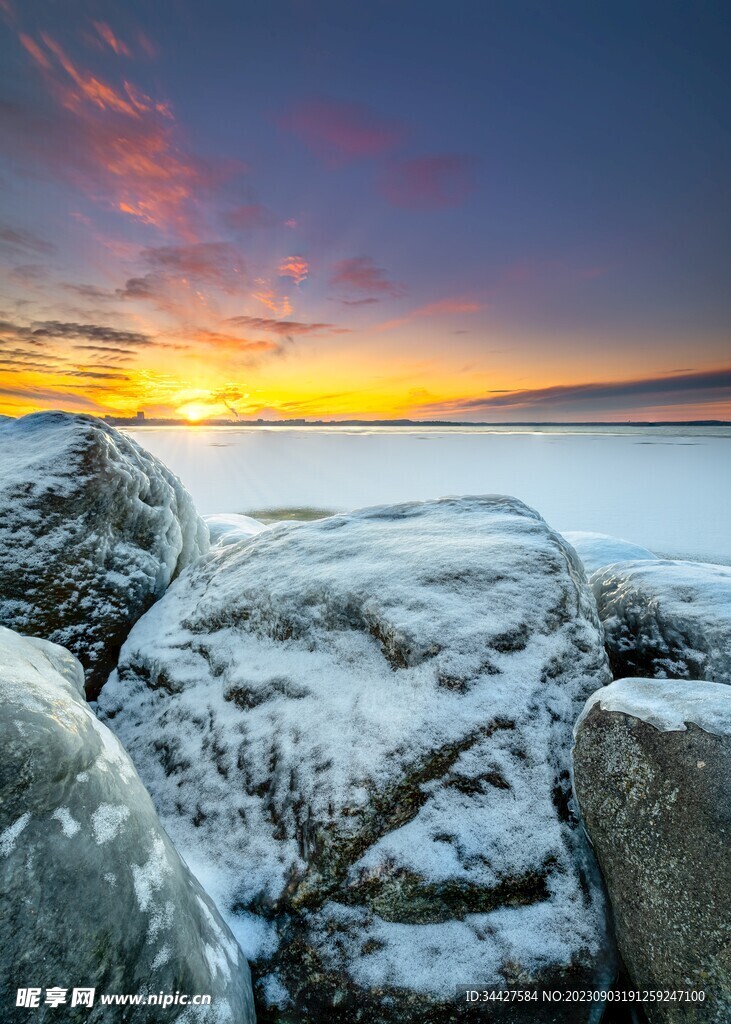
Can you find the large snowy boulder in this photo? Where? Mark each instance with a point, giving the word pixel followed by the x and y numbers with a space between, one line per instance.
pixel 652 772
pixel 92 892
pixel 358 732
pixel 597 550
pixel 92 530
pixel 666 619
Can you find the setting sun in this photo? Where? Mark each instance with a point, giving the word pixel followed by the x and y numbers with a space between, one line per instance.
pixel 195 411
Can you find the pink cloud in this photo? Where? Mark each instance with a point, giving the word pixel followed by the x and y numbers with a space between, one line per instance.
pixel 295 267
pixel 251 215
pixel 118 145
pixel 279 305
pixel 443 307
pixel 106 35
pixel 429 182
pixel 147 46
pixel 362 274
pixel 340 132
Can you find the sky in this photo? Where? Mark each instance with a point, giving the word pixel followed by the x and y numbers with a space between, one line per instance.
pixel 474 210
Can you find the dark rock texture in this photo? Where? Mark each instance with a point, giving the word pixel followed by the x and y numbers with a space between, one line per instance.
pixel 92 892
pixel 652 774
pixel 358 731
pixel 666 619
pixel 92 530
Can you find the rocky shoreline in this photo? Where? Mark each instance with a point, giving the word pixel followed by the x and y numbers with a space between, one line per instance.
pixel 401 750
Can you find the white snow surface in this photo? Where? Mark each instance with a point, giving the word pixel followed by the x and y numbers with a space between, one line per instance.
pixel 294 694
pixel 667 618
pixel 229 528
pixel 667 704
pixel 666 488
pixel 92 529
pixel 597 550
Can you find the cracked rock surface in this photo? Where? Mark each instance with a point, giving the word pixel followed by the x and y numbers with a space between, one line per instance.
pixel 92 530
pixel 358 732
pixel 652 773
pixel 92 892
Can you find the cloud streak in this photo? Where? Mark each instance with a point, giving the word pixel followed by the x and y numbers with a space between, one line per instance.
pixel 706 386
pixel 443 307
pixel 284 327
pixel 22 243
pixel 361 274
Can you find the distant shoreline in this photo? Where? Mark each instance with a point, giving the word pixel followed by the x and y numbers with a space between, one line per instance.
pixel 123 421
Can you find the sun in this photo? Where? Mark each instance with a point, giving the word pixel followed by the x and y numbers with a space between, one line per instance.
pixel 194 411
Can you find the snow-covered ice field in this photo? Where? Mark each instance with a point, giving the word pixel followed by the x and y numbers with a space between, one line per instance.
pixel 668 488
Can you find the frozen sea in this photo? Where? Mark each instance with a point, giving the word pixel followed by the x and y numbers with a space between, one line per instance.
pixel 667 488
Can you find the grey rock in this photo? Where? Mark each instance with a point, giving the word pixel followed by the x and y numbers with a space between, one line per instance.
pixel 92 530
pixel 92 892
pixel 365 723
pixel 652 775
pixel 666 619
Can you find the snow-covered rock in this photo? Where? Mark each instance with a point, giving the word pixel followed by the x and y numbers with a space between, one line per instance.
pixel 666 619
pixel 229 528
pixel 92 892
pixel 597 550
pixel 92 530
pixel 358 733
pixel 652 774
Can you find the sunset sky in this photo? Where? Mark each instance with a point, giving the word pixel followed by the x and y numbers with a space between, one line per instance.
pixel 465 210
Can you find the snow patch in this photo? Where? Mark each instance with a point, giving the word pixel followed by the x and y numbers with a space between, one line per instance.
pixel 107 820
pixel 69 825
pixel 667 704
pixel 9 836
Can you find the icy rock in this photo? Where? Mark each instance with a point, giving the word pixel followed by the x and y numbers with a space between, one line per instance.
pixel 652 773
pixel 666 619
pixel 229 528
pixel 92 892
pixel 597 550
pixel 92 530
pixel 359 730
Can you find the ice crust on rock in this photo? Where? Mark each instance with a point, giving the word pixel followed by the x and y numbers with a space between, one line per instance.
pixel 362 727
pixel 666 618
pixel 597 550
pixel 92 891
pixel 92 530
pixel 668 705
pixel 229 528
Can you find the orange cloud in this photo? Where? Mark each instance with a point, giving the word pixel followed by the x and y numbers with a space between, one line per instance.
pixel 279 306
pixel 107 36
pixel 35 51
pixel 295 267
pixel 118 144
pixel 233 343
